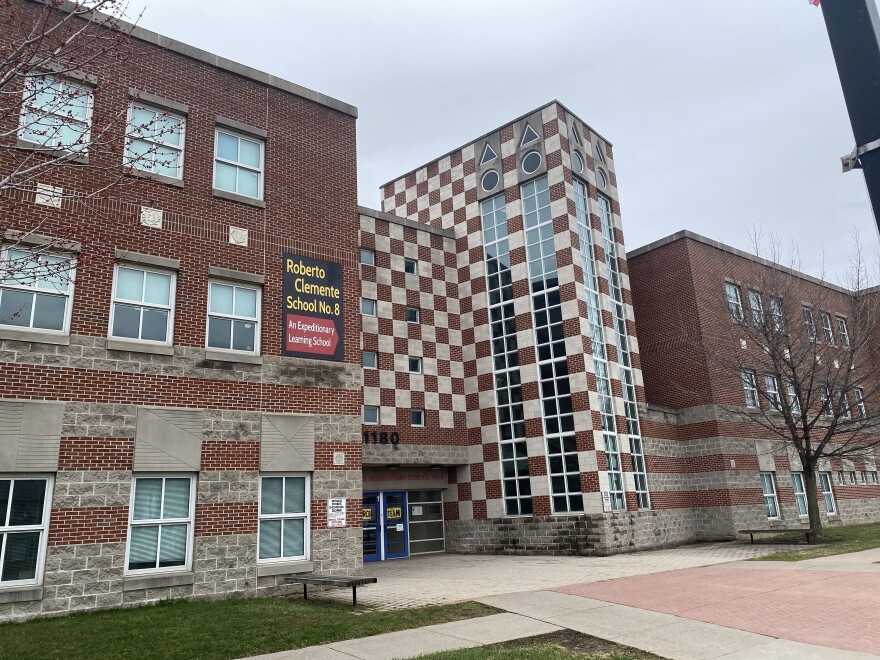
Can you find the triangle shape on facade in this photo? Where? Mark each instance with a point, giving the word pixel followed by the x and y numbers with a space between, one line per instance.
pixel 599 153
pixel 529 136
pixel 488 155
pixel 573 135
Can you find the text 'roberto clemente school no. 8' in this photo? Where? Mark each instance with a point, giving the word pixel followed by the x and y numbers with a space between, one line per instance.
pixel 242 375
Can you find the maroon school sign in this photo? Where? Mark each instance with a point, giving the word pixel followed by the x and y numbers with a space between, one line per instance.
pixel 312 315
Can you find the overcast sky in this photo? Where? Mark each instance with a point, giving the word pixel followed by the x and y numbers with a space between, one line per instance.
pixel 724 114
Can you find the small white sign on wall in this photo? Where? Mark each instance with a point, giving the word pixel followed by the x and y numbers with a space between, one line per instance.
pixel 606 501
pixel 336 512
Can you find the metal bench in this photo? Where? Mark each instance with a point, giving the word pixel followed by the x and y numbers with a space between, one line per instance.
pixel 781 530
pixel 331 581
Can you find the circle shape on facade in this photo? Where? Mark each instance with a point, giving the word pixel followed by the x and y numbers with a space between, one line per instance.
pixel 601 180
pixel 531 162
pixel 577 163
pixel 490 180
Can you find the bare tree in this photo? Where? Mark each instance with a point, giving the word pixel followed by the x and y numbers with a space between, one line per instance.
pixel 807 356
pixel 56 58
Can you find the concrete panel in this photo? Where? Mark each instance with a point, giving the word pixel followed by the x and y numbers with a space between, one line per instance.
pixel 287 443
pixel 30 435
pixel 168 439
pixel 764 451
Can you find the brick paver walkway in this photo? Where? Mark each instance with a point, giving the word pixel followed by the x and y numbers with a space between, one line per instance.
pixel 839 609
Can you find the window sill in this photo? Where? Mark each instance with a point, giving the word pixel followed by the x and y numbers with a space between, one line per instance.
pixel 138 582
pixel 36 336
pixel 235 197
pixel 139 347
pixel 159 178
pixel 242 358
pixel 286 568
pixel 63 154
pixel 20 594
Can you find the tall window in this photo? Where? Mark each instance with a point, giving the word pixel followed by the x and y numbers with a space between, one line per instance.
pixel 155 141
pixel 843 331
pixel 238 164
pixel 810 323
pixel 843 404
pixel 24 518
pixel 756 307
pixel 750 388
pixel 860 403
pixel 56 114
pixel 825 398
pixel 143 304
pixel 734 304
pixel 777 313
pixel 233 317
pixel 284 518
pixel 771 386
pixel 827 492
pixel 800 494
pixel 793 402
pixel 768 486
pixel 827 330
pixel 161 524
pixel 36 290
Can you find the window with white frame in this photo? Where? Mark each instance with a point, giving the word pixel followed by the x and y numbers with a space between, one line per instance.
pixel 874 477
pixel 768 486
pixel 371 414
pixel 777 313
pixel 800 493
pixel 24 519
pixel 36 290
pixel 160 524
pixel 827 492
pixel 864 477
pixel 810 323
pixel 143 304
pixel 368 307
pixel 56 114
pixel 410 266
pixel 756 306
pixel 852 478
pixel 843 331
pixel 750 388
pixel 841 478
pixel 825 398
pixel 861 410
pixel 771 386
pixel 843 404
pixel 233 317
pixel 827 330
pixel 412 314
pixel 284 518
pixel 415 365
pixel 793 403
pixel 368 257
pixel 154 142
pixel 417 417
pixel 734 304
pixel 371 360
pixel 238 164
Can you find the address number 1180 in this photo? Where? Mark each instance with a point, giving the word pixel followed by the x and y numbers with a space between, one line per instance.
pixel 383 438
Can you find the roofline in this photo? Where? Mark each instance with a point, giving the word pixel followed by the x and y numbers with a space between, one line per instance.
pixel 495 130
pixel 225 64
pixel 699 238
pixel 406 222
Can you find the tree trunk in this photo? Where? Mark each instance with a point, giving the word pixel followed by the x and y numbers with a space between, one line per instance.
pixel 812 493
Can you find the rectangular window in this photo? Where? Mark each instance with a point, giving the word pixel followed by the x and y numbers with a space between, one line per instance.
pixel 756 307
pixel 36 290
pixel 734 304
pixel 155 141
pixel 412 314
pixel 860 403
pixel 143 304
pixel 800 493
pixel 864 477
pixel 793 402
pixel 843 331
pixel 371 414
pixel 24 518
pixel 750 388
pixel 810 324
pixel 852 478
pixel 368 257
pixel 410 266
pixel 827 493
pixel 778 314
pixel 284 518
pixel 768 486
pixel 843 405
pixel 55 114
pixel 233 317
pixel 371 360
pixel 415 365
pixel 841 478
pixel 417 417
pixel 825 398
pixel 238 164
pixel 160 524
pixel 368 307
pixel 827 330
pixel 874 478
pixel 771 385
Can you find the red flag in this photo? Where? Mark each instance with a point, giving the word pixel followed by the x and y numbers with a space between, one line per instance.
pixel 815 3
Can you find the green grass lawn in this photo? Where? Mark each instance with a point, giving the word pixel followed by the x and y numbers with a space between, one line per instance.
pixel 838 541
pixel 211 629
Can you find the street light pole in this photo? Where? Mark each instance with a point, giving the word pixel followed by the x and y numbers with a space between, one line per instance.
pixel 854 30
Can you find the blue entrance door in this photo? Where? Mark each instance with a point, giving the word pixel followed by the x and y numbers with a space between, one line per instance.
pixel 372 527
pixel 395 527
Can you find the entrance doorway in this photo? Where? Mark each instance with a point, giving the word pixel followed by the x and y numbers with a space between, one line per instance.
pixel 385 529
